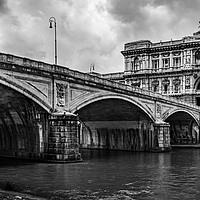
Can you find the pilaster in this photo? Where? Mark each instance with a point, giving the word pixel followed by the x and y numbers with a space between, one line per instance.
pixel 126 64
pixel 149 64
pixel 171 60
pixel 182 58
pixel 160 62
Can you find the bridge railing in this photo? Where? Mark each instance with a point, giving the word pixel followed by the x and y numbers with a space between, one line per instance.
pixel 33 64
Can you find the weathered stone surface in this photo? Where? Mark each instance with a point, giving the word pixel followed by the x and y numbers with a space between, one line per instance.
pixel 112 115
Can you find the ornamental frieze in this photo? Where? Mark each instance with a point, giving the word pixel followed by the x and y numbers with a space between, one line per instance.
pixel 166 82
pixel 155 83
pixel 60 90
pixel 165 55
pixel 158 110
pixel 188 52
pixel 178 53
pixel 195 76
pixel 155 55
pixel 177 81
pixel 187 82
pixel 135 82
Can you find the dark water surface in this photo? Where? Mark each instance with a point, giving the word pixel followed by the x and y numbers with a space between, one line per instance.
pixel 111 175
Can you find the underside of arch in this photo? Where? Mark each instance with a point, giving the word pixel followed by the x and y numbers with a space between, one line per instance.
pixel 125 107
pixel 25 90
pixel 111 110
pixel 115 123
pixel 183 128
pixel 20 124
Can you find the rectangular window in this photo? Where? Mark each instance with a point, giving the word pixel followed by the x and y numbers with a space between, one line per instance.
pixel 165 89
pixel 187 82
pixel 177 62
pixel 176 88
pixel 166 63
pixel 155 65
pixel 155 88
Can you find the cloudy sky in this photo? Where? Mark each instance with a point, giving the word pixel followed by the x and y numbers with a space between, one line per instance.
pixel 91 31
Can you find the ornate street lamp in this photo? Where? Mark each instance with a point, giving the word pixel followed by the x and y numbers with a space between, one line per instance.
pixel 51 21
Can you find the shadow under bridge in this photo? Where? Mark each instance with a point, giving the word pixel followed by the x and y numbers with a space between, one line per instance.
pixel 183 128
pixel 115 124
pixel 22 125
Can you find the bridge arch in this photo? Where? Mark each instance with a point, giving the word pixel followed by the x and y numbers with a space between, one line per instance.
pixel 25 89
pixel 183 127
pixel 89 99
pixel 115 121
pixel 23 118
pixel 183 111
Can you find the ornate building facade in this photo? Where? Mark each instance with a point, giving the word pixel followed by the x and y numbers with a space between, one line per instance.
pixel 170 68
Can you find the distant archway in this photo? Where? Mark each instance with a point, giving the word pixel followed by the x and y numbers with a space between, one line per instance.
pixel 183 127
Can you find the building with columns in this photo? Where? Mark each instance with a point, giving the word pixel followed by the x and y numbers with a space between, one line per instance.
pixel 170 67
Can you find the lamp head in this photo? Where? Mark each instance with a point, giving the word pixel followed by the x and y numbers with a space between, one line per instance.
pixel 50 25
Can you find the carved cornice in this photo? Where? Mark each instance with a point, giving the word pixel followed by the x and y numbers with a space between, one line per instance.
pixel 167 48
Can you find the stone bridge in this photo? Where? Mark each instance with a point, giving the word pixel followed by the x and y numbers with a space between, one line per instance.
pixel 49 111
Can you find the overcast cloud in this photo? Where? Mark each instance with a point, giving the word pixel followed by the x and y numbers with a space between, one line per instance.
pixel 91 31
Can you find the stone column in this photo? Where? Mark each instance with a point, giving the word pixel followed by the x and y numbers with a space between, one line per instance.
pixel 171 60
pixel 131 64
pixel 182 58
pixel 191 54
pixel 160 63
pixel 150 64
pixel 145 63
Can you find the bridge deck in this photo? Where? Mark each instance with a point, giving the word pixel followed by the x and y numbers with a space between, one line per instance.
pixel 32 66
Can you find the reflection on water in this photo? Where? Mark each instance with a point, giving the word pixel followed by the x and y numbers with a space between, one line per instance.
pixel 111 175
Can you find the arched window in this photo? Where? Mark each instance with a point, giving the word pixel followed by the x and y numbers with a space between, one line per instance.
pixel 136 64
pixel 155 88
pixel 187 82
pixel 155 85
pixel 176 88
pixel 165 84
pixel 176 83
pixel 165 89
pixel 197 57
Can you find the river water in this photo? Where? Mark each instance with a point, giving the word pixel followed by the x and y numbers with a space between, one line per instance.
pixel 111 175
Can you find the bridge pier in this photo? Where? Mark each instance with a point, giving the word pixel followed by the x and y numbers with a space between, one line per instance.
pixel 45 137
pixel 63 138
pixel 161 136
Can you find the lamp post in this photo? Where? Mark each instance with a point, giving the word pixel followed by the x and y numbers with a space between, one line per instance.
pixel 51 21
